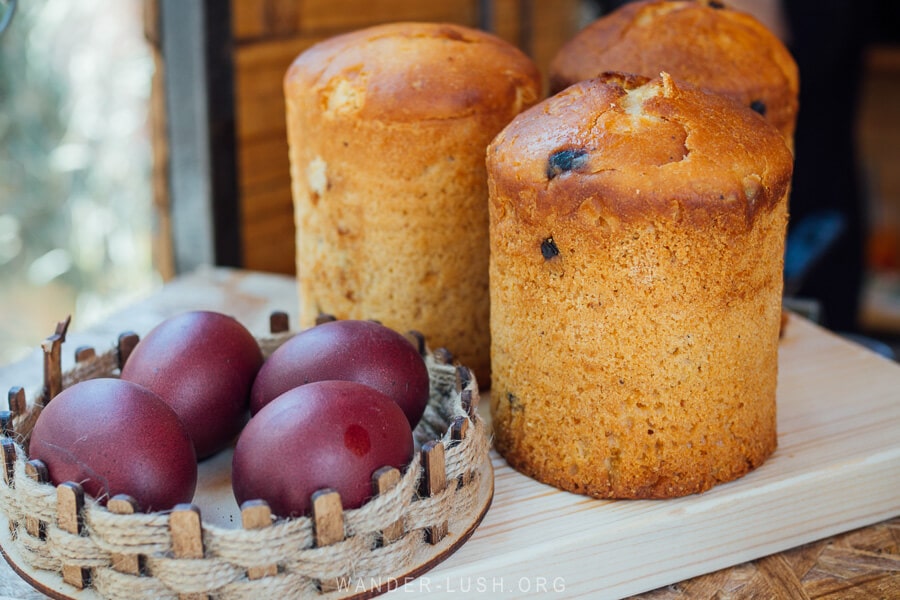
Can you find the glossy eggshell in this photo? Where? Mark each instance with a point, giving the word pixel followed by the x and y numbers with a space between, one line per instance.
pixel 361 351
pixel 328 434
pixel 203 364
pixel 115 437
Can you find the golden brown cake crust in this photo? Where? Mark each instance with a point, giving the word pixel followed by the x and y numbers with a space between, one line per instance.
pixel 388 128
pixel 721 49
pixel 663 148
pixel 411 72
pixel 636 288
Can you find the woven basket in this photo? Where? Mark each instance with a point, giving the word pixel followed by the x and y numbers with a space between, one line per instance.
pixel 67 545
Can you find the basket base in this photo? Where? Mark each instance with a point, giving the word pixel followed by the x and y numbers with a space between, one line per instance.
pixel 460 530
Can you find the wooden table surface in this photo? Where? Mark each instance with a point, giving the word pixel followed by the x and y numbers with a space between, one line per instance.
pixel 861 563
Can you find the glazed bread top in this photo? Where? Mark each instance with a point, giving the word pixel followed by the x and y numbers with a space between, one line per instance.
pixel 407 72
pixel 701 42
pixel 621 148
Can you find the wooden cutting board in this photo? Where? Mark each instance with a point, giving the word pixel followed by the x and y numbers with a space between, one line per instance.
pixel 837 468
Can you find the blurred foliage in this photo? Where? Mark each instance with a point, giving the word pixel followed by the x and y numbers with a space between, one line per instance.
pixel 75 192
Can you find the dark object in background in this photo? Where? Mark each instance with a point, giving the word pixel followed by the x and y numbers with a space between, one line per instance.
pixel 827 39
pixel 809 240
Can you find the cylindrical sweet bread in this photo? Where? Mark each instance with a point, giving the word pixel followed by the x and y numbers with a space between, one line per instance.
pixel 388 128
pixel 702 42
pixel 637 238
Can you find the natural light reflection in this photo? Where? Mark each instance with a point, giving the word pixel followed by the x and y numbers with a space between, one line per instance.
pixel 75 189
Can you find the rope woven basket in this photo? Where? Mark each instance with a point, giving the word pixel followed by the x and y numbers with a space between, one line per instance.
pixel 66 544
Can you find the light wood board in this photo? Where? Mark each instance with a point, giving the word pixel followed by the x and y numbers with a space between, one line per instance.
pixel 837 468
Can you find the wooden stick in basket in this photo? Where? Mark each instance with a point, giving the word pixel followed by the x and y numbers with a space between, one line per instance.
pixel 185 526
pixel 417 340
pixel 468 398
pixel 459 426
pixel 383 481
pixel 324 318
pixel 256 514
pixel 8 459
pixel 36 470
pixel 69 504
pixel 328 525
pixel 17 402
pixel 125 346
pixel 463 377
pixel 6 423
pixel 84 353
pixel 52 348
pixel 123 504
pixel 442 356
pixel 434 481
pixel 279 322
pixel 8 449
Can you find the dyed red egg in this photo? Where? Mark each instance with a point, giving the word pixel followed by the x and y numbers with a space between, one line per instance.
pixel 203 364
pixel 361 351
pixel 115 437
pixel 327 434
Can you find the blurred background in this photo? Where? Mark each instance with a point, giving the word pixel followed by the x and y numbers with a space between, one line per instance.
pixel 143 138
pixel 75 194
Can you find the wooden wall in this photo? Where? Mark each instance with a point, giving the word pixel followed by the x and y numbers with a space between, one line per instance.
pixel 269 34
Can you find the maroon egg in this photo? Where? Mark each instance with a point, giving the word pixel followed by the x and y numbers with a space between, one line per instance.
pixel 361 351
pixel 202 364
pixel 328 434
pixel 115 437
